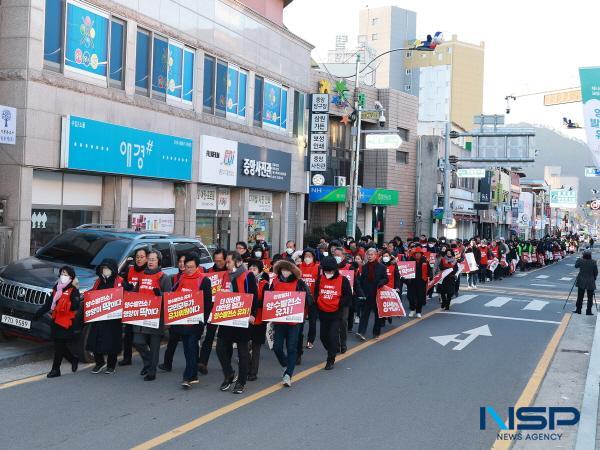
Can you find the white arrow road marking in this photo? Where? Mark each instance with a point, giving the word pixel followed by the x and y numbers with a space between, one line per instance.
pixel 566 279
pixel 535 305
pixel 483 330
pixel 498 302
pixel 542 276
pixel 462 299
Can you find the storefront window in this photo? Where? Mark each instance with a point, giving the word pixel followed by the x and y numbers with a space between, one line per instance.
pixel 205 228
pixel 46 224
pixel 259 223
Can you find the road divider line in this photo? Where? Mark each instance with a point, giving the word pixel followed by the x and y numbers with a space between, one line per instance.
pixel 533 385
pixel 224 410
pixel 520 319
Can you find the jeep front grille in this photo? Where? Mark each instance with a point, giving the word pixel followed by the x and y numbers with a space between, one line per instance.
pixel 23 293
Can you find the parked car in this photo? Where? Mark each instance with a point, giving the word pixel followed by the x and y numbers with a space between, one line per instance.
pixel 26 284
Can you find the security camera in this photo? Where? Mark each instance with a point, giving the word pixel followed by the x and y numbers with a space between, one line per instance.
pixel 507 110
pixel 381 120
pixel 378 105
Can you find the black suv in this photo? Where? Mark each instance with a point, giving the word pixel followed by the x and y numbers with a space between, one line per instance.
pixel 26 284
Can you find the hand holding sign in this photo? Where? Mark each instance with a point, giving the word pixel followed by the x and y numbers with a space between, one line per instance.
pixel 141 309
pixel 407 269
pixel 183 308
pixel 232 309
pixel 105 304
pixel 389 303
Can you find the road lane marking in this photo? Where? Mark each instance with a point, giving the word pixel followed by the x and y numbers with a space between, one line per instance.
pixel 566 279
pixel 462 299
pixel 483 330
pixel 543 285
pixel 521 274
pixel 498 302
pixel 535 305
pixel 520 319
pixel 537 376
pixel 224 410
pixel 542 276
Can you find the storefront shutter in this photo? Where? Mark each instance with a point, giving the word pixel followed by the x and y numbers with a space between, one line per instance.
pixel 292 207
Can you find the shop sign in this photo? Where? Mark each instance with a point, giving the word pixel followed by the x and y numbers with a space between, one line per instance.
pixel 327 194
pixel 263 168
pixel 104 147
pixel 218 161
pixel 213 198
pixel 318 142
pixel 318 162
pixel 376 196
pixel 563 198
pixel 319 123
pixel 8 125
pixel 470 173
pixel 261 202
pixel 153 222
pixel 320 103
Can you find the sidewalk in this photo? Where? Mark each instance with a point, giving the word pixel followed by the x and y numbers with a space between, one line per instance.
pixel 20 351
pixel 565 381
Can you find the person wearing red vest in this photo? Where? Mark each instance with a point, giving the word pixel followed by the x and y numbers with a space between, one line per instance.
pixel 146 340
pixel 394 280
pixel 447 287
pixel 104 338
pixel 242 281
pixel 483 261
pixel 310 271
pixel 358 296
pixel 416 288
pixel 63 304
pixel 259 328
pixel 343 264
pixel 130 281
pixel 211 330
pixel 288 278
pixel 373 277
pixel 332 293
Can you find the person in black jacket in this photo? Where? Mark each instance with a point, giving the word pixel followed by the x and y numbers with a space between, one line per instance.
pixel 332 293
pixel 586 281
pixel 63 304
pixel 105 335
pixel 373 277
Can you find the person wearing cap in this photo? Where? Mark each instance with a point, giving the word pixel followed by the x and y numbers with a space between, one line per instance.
pixel 259 328
pixel 309 267
pixel 343 264
pixel 447 287
pixel 332 293
pixel 373 277
pixel 586 281
pixel 416 288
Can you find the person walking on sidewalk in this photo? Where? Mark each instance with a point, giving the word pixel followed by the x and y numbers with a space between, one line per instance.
pixel 373 277
pixel 259 328
pixel 586 281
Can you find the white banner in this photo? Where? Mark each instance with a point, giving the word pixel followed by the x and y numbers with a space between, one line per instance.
pixel 590 97
pixel 260 202
pixel 8 125
pixel 218 161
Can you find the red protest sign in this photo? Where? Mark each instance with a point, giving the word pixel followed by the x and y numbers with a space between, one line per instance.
pixel 349 274
pixel 106 304
pixel 389 303
pixel 283 306
pixel 431 257
pixel 438 278
pixel 407 269
pixel 231 309
pixel 464 266
pixel 183 307
pixel 218 282
pixel 141 309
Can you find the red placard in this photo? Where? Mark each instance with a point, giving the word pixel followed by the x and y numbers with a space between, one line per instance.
pixel 464 265
pixel 231 309
pixel 218 282
pixel 438 278
pixel 407 269
pixel 456 252
pixel 183 307
pixel 349 274
pixel 283 306
pixel 431 257
pixel 106 304
pixel 389 303
pixel 141 309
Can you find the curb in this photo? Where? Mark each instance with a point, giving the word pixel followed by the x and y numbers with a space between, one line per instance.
pixel 588 422
pixel 23 357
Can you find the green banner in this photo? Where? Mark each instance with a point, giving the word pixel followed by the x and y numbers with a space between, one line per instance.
pixel 376 196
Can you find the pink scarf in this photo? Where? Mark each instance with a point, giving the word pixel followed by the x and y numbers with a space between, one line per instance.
pixel 57 295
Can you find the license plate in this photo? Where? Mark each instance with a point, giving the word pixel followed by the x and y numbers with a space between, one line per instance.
pixel 16 322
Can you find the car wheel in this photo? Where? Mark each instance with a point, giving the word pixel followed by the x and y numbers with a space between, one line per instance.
pixel 84 355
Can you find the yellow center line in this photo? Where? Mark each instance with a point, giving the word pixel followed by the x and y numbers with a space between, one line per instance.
pixel 202 420
pixel 533 385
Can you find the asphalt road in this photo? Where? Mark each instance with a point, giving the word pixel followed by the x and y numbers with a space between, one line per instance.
pixel 406 390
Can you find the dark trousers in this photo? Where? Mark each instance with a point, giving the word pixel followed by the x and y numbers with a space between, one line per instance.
pixel 416 293
pixel 329 334
pixel 446 299
pixel 369 306
pixel 174 339
pixel 111 360
pixel 254 358
pixel 344 327
pixel 300 345
pixel 225 353
pixel 127 342
pixel 207 343
pixel 313 314
pixel 287 334
pixel 61 350
pixel 148 346
pixel 482 272
pixel 190 351
pixel 590 299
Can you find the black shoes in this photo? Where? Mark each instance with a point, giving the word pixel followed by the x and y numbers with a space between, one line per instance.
pixel 238 388
pixel 252 378
pixel 125 362
pixel 329 364
pixel 576 311
pixel 226 384
pixel 75 365
pixel 110 370
pixel 343 350
pixel 144 372
pixel 53 374
pixel 165 368
pixel 149 377
pixel 588 313
pixel 98 368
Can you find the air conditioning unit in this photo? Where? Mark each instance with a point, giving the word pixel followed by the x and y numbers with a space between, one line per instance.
pixel 339 181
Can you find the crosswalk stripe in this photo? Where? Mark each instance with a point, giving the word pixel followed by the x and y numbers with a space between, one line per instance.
pixel 535 305
pixel 566 279
pixel 462 298
pixel 542 276
pixel 522 274
pixel 498 302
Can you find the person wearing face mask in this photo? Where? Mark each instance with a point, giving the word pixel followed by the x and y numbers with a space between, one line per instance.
pixel 259 328
pixel 343 264
pixel 180 270
pixel 332 293
pixel 373 277
pixel 322 251
pixel 309 269
pixel 105 336
pixel 130 281
pixel 290 248
pixel 416 288
pixel 394 280
pixel 260 252
pixel 354 249
pixel 146 340
pixel 340 258
pixel 242 281
pixel 447 287
pixel 62 304
pixel 358 296
pixel 288 278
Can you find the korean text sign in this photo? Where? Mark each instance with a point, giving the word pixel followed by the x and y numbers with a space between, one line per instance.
pixel 105 304
pixel 407 269
pixel 232 309
pixel 218 282
pixel 389 303
pixel 282 306
pixel 141 309
pixel 183 307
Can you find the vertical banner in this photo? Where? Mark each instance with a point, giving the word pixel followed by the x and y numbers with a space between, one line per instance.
pixel 106 304
pixel 590 97
pixel 389 303
pixel 141 309
pixel 232 309
pixel 183 307
pixel 283 307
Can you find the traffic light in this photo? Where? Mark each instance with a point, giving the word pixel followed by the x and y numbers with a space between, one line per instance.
pixel 453 159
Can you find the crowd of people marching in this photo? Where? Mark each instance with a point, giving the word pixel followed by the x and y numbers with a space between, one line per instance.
pixel 332 301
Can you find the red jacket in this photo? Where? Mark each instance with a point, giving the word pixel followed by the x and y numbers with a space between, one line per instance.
pixel 62 315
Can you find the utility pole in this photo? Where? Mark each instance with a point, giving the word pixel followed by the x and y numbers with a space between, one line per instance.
pixel 447 219
pixel 351 212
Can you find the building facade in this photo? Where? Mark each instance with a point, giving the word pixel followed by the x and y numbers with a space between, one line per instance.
pixel 183 117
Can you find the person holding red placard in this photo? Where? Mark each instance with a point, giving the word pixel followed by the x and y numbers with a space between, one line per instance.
pixel 288 278
pixel 373 277
pixel 147 340
pixel 259 328
pixel 242 281
pixel 333 292
pixel 310 271
pixel 447 288
pixel 416 288
pixel 105 335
